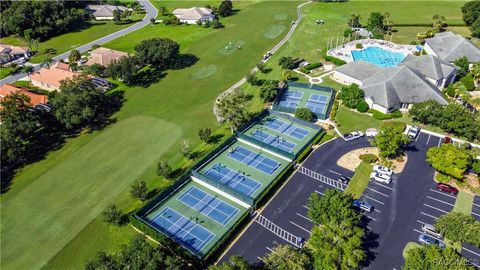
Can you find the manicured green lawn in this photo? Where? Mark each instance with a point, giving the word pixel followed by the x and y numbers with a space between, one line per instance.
pixel 53 207
pixel 351 121
pixel 5 72
pixel 359 181
pixel 69 41
pixel 464 202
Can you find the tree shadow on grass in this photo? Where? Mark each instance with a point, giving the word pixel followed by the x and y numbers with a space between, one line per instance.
pixel 186 60
pixel 214 139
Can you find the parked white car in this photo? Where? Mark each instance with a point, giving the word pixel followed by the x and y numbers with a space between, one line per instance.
pixel 413 132
pixel 382 178
pixel 371 132
pixel 383 170
pixel 430 229
pixel 352 136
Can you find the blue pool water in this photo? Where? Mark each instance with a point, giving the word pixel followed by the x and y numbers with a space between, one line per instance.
pixel 378 56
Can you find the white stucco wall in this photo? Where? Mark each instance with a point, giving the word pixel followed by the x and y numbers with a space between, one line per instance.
pixel 345 79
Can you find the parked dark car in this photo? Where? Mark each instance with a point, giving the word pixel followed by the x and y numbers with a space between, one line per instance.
pixel 447 188
pixel 343 179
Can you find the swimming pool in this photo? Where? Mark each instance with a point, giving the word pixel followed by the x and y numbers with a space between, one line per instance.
pixel 378 56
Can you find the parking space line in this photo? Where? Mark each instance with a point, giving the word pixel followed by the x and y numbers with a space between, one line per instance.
pixel 473 252
pixel 260 258
pixel 269 249
pixel 377 210
pixel 439 142
pixel 304 217
pixel 378 184
pixel 421 222
pixel 448 195
pixel 368 197
pixel 428 215
pixel 304 206
pixel 429 135
pixel 420 232
pixel 378 192
pixel 475 214
pixel 370 217
pixel 431 198
pixel 438 209
pixel 335 172
pixel 300 227
pixel 418 136
pixel 369 228
pixel 319 192
pixel 474 204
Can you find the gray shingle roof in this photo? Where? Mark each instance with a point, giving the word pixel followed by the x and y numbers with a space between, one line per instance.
pixel 359 70
pixel 450 47
pixel 390 87
pixel 429 65
pixel 104 10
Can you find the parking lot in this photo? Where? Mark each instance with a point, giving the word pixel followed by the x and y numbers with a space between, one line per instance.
pixel 400 208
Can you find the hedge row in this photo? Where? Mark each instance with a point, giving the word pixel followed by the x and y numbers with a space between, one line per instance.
pixel 381 116
pixel 334 110
pixel 336 61
pixel 313 66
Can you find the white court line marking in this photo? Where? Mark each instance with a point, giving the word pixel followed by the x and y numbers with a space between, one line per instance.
pixel 443 193
pixel 335 172
pixel 304 217
pixel 431 198
pixel 300 227
pixel 428 215
pixel 471 251
pixel 378 184
pixel 373 199
pixel 428 139
pixel 319 192
pixel 378 192
pixel 438 209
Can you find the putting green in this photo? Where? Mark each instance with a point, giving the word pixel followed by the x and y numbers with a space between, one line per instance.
pixel 231 47
pixel 280 16
pixel 204 72
pixel 274 31
pixel 44 216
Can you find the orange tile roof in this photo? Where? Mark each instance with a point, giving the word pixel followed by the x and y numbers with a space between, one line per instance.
pixel 35 98
pixel 53 76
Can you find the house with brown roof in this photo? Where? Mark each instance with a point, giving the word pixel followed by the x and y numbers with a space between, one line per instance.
pixel 35 99
pixel 194 15
pixel 104 56
pixel 50 78
pixel 10 53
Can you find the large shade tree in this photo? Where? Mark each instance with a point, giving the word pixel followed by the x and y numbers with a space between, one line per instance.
pixel 286 257
pixel 449 159
pixel 428 257
pixel 232 108
pixel 390 141
pixel 333 206
pixel 160 53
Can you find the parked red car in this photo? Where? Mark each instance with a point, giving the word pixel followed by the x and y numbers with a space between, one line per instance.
pixel 447 140
pixel 447 188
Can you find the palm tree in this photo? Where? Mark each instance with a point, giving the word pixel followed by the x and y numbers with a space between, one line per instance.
pixel 439 23
pixel 47 62
pixel 475 70
pixel 27 69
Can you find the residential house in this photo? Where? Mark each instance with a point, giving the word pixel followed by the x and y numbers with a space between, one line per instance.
pixel 50 78
pixel 10 53
pixel 416 79
pixel 104 56
pixel 104 12
pixel 35 98
pixel 194 15
pixel 449 47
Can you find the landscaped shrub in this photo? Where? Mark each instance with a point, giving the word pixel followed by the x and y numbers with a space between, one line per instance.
pixel 304 70
pixel 442 178
pixel 468 82
pixel 381 116
pixel 368 158
pixel 334 60
pixel 450 91
pixel 313 65
pixel 334 110
pixel 362 106
pixel 476 166
pixel 359 46
pixel 304 114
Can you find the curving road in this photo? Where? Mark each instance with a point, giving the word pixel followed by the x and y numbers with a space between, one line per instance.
pixel 151 13
pixel 273 50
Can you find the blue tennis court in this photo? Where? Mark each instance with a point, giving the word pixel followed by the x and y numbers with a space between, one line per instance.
pixel 185 230
pixel 255 160
pixel 208 205
pixel 291 99
pixel 274 141
pixel 316 107
pixel 287 129
pixel 318 98
pixel 233 179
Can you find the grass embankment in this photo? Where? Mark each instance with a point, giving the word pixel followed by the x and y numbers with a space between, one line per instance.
pixel 410 245
pixel 52 213
pixel 359 180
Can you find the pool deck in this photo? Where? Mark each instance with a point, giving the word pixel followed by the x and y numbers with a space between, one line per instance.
pixel 344 51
